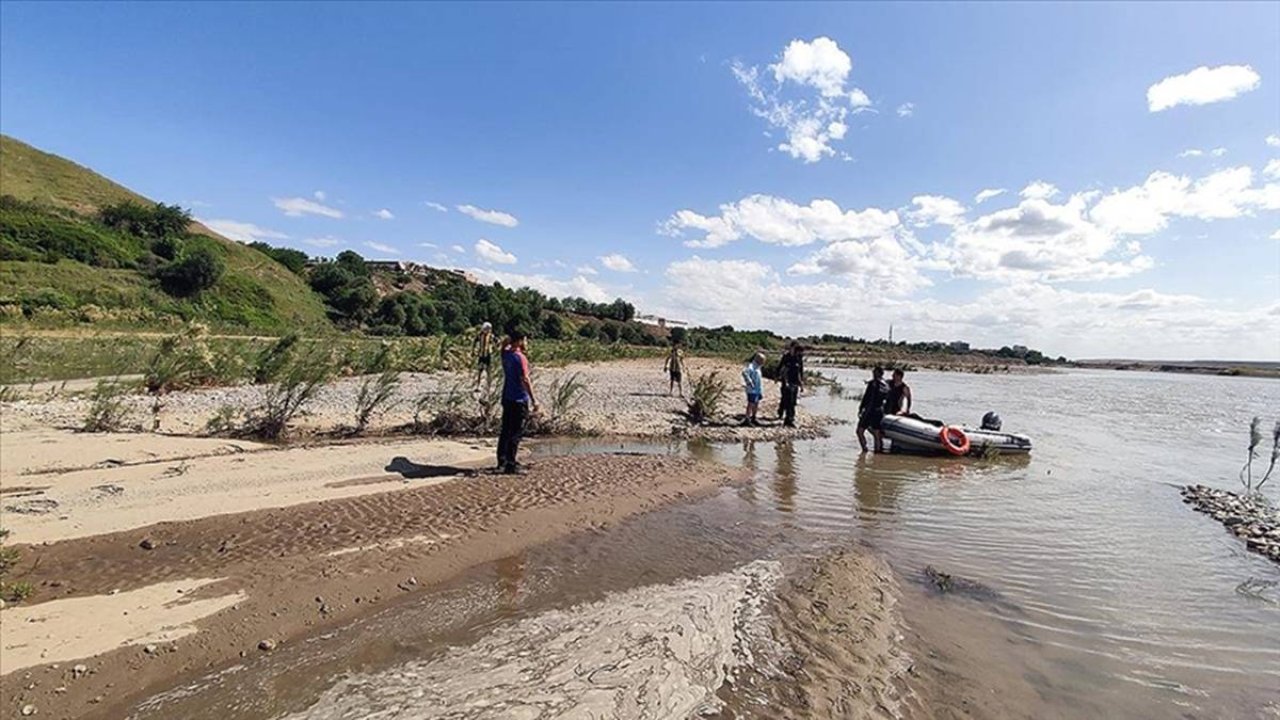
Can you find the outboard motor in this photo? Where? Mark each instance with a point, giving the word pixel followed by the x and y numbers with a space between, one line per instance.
pixel 991 421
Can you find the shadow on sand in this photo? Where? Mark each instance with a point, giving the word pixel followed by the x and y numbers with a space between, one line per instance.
pixel 411 470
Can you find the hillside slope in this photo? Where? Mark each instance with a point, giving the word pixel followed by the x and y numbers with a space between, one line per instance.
pixel 255 294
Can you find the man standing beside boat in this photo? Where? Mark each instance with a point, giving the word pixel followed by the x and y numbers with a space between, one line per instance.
pixel 871 409
pixel 899 398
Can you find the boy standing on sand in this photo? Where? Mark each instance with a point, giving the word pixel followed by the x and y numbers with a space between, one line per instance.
pixel 517 401
pixel 675 368
pixel 482 348
pixel 871 409
pixel 753 383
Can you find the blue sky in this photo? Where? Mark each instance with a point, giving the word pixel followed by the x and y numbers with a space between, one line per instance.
pixel 808 168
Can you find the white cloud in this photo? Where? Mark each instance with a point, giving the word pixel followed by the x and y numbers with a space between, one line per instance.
pixel 431 245
pixel 380 247
pixel 881 266
pixel 906 109
pixel 617 263
pixel 1202 86
pixel 319 195
pixel 458 249
pixel 1039 190
pixel 987 194
pixel 586 270
pixel 1275 235
pixel 1273 141
pixel 489 252
pixel 241 231
pixel 811 121
pixel 1147 208
pixel 1192 152
pixel 297 207
pixel 1218 152
pixel 437 206
pixel 1272 169
pixel 493 217
pixel 781 222
pixel 323 242
pixel 935 210
pixel 577 286
pixel 1144 323
pixel 384 214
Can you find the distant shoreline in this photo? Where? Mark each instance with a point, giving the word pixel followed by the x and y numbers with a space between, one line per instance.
pixel 1224 368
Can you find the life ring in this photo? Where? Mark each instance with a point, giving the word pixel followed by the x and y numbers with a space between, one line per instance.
pixel 954 440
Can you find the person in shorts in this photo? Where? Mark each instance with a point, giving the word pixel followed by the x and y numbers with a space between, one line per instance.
pixel 871 409
pixel 753 383
pixel 674 366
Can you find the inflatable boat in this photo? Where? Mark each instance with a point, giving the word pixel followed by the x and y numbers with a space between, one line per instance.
pixel 911 433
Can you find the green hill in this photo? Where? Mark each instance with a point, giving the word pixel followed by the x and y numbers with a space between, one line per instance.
pixel 58 257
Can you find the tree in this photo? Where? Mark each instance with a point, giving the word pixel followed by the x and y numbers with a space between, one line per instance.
pixel 195 271
pixel 552 326
pixel 679 335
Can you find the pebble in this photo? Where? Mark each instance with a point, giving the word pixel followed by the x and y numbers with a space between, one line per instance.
pixel 151 649
pixel 147 544
pixel 28 710
pixel 267 645
pixel 1250 518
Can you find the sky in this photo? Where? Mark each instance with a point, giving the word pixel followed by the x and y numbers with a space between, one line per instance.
pixel 1093 180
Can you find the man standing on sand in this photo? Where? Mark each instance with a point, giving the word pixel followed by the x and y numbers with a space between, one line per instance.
pixel 871 409
pixel 791 368
pixel 753 383
pixel 674 366
pixel 517 401
pixel 898 401
pixel 482 349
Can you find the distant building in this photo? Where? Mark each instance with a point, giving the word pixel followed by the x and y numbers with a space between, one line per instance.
pixel 959 346
pixel 660 321
pixel 1019 349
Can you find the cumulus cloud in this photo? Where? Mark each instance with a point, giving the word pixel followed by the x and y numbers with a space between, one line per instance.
pixel 437 206
pixel 381 247
pixel 1039 190
pixel 1144 323
pixel 241 231
pixel 617 263
pixel 577 286
pixel 384 214
pixel 458 249
pixel 779 221
pixel 1147 208
pixel 935 210
pixel 1218 152
pixel 586 270
pixel 297 207
pixel 319 195
pixel 989 193
pixel 812 121
pixel 1272 170
pixel 906 109
pixel 1273 141
pixel 489 252
pixel 1202 86
pixel 493 217
pixel 881 266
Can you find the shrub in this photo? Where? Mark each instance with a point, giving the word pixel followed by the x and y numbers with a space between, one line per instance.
pixel 107 408
pixel 153 222
pixel 182 361
pixel 298 384
pixel 194 272
pixel 704 399
pixel 376 391
pixel 274 359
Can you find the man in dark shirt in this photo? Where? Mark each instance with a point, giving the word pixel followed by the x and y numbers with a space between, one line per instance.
pixel 791 369
pixel 517 401
pixel 899 402
pixel 871 409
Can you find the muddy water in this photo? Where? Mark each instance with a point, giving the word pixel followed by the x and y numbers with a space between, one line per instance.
pixel 1095 592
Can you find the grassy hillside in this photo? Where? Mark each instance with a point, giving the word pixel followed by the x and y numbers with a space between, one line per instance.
pixel 56 258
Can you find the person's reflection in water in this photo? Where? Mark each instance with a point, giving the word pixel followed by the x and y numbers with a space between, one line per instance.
pixel 749 464
pixel 784 476
pixel 510 572
pixel 876 482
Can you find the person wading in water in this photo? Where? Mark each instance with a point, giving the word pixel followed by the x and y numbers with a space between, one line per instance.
pixel 674 366
pixel 791 369
pixel 871 409
pixel 898 401
pixel 517 401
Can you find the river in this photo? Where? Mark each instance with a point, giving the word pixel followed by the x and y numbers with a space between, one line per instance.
pixel 1103 594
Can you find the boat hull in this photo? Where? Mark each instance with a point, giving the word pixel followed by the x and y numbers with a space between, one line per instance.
pixel 909 434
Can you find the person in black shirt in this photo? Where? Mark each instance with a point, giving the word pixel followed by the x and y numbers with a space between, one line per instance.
pixel 791 370
pixel 871 409
pixel 899 401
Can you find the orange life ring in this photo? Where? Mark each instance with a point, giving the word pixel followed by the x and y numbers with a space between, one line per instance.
pixel 954 440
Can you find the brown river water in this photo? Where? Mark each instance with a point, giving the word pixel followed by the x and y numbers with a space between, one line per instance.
pixel 1102 594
